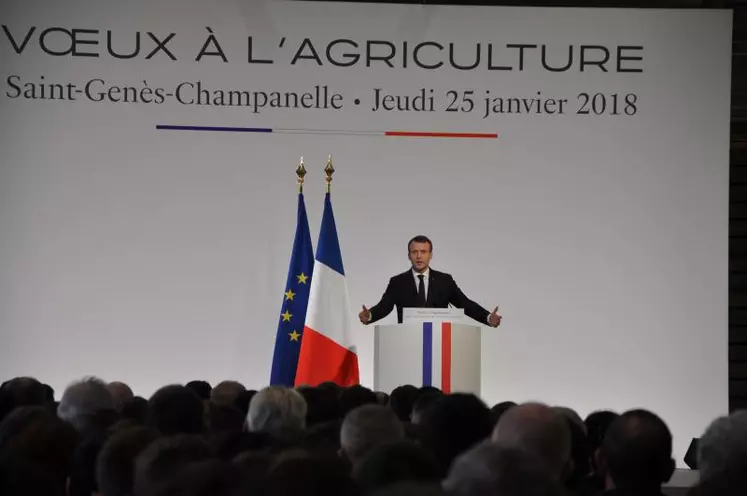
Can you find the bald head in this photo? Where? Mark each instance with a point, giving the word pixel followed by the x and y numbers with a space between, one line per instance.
pixel 539 430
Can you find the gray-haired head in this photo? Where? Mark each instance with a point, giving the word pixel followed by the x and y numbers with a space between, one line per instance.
pixel 83 400
pixel 121 393
pixel 490 469
pixel 539 430
pixel 278 411
pixel 723 446
pixel 366 428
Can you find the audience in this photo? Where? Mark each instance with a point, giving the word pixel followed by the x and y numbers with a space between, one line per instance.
pixel 226 392
pixel 279 412
pixel 175 410
pixel 393 463
pixel 723 446
pixel 540 431
pixel 88 406
pixel 366 428
pixel 452 425
pixel 194 440
pixel 201 388
pixel 636 454
pixel 490 469
pixel 115 466
pixel 121 393
pixel 156 465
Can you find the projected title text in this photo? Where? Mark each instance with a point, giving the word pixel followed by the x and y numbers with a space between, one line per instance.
pixel 492 58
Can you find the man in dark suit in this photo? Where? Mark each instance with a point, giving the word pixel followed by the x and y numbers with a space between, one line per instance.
pixel 422 286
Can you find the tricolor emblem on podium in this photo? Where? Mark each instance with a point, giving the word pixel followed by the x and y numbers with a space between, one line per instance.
pixel 432 347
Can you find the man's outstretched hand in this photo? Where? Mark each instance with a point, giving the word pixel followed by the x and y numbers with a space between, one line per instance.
pixel 494 319
pixel 365 315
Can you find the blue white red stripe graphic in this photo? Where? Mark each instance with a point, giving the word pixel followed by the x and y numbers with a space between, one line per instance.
pixel 437 356
pixel 277 130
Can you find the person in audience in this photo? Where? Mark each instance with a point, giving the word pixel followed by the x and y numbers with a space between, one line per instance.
pixel 578 480
pixel 226 392
pixel 490 469
pixel 382 398
pixel 176 410
pixel 279 412
pixel 201 388
pixel 115 465
pixel 410 488
pixel 355 396
pixel 421 405
pixel 299 474
pixel 82 481
pixel 499 409
pixel 22 478
pixel 636 454
pixel 121 393
pixel 157 463
pixel 397 462
pixel 597 424
pixel 22 391
pixel 573 416
pixel 33 436
pixel 136 410
pixel 243 400
pixel 453 424
pixel 206 478
pixel 723 446
pixel 540 431
pixel 366 428
pixel 323 405
pixel 401 401
pixel 88 406
pixel 221 418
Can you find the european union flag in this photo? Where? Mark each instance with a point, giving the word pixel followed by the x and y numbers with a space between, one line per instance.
pixel 296 298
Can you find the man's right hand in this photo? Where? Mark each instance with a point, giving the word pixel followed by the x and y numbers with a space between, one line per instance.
pixel 365 315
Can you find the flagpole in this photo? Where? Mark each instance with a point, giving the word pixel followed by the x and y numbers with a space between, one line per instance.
pixel 329 170
pixel 300 172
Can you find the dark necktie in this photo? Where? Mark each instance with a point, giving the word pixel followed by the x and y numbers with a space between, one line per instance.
pixel 421 290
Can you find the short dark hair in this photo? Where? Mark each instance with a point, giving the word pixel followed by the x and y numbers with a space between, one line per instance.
pixel 157 463
pixel 420 239
pixel 35 435
pixel 424 401
pixel 25 391
pixel 176 409
pixel 638 450
pixel 355 396
pixel 201 388
pixel 402 399
pixel 115 465
pixel 453 424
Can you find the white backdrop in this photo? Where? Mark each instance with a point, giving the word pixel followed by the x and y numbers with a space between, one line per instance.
pixel 154 256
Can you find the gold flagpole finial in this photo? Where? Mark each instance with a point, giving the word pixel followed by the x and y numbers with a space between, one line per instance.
pixel 329 170
pixel 300 172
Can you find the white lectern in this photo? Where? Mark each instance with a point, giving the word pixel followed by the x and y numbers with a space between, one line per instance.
pixel 432 347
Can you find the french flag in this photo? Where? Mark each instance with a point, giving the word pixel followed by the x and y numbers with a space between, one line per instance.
pixel 327 351
pixel 437 355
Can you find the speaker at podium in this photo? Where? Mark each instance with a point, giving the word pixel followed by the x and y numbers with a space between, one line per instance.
pixel 431 347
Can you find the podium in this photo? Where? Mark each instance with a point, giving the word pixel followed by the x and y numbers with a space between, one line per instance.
pixel 432 347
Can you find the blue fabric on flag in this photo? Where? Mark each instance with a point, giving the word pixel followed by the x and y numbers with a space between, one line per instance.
pixel 328 247
pixel 292 315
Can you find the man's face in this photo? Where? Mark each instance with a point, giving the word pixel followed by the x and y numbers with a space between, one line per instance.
pixel 420 255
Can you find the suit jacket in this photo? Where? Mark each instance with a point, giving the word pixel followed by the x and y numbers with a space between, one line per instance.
pixel 442 290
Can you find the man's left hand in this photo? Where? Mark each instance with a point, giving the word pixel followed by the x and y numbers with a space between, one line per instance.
pixel 495 318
